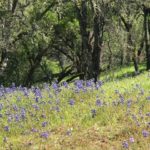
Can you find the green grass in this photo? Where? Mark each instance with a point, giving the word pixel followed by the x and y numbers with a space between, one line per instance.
pixel 121 73
pixel 73 127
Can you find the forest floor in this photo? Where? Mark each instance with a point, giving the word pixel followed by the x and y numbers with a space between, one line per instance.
pixel 114 114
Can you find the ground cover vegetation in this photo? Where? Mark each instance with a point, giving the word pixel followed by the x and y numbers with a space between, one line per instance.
pixel 82 115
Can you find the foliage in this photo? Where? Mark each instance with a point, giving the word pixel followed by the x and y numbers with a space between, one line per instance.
pixel 84 38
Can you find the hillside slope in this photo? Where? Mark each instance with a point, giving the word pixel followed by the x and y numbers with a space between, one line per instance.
pixel 82 116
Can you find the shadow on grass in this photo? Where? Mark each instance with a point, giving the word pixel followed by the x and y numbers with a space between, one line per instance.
pixel 122 73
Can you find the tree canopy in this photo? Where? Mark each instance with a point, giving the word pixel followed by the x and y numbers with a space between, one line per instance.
pixel 46 40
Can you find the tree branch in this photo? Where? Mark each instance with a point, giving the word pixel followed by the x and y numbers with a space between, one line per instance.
pixel 14 5
pixel 46 10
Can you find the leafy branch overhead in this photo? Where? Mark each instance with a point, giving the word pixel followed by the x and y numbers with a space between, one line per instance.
pixel 39 39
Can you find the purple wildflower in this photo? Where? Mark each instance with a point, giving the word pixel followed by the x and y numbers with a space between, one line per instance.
pixel 37 99
pixel 121 99
pixel 17 117
pixel 15 107
pixel 23 113
pixel 55 86
pixel 145 133
pixel 79 84
pixel 44 135
pixel 36 107
pixel 71 102
pixel 37 93
pixel 9 118
pixel 34 130
pixel 6 128
pixel 131 139
pixel 57 109
pixel 65 84
pixel 68 132
pixel 98 102
pixel 89 83
pixel 125 144
pixel 148 98
pixel 44 124
pixel 129 102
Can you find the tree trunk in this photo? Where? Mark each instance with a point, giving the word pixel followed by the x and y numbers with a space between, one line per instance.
pixel 131 53
pixel 85 57
pixel 91 42
pixel 98 35
pixel 135 61
pixel 147 34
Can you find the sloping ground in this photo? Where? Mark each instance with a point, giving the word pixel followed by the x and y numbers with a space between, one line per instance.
pixel 82 116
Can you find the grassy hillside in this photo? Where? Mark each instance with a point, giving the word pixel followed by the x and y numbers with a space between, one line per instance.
pixel 110 115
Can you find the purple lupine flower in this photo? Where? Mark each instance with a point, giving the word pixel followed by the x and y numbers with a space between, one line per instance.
pixel 98 102
pixel 71 102
pixel 23 113
pixel 36 107
pixel 44 135
pixel 37 99
pixel 57 109
pixel 13 86
pixel 89 83
pixel 8 90
pixel 55 86
pixel 148 98
pixel 125 144
pixel 65 84
pixel 17 118
pixel 121 99
pixel 131 139
pixel 100 83
pixel 145 133
pixel 15 107
pixel 6 128
pixel 129 102
pixel 97 86
pixel 26 93
pixel 68 132
pixel 34 130
pixel 79 84
pixel 9 119
pixel 44 124
pixel 37 93
pixel 1 94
